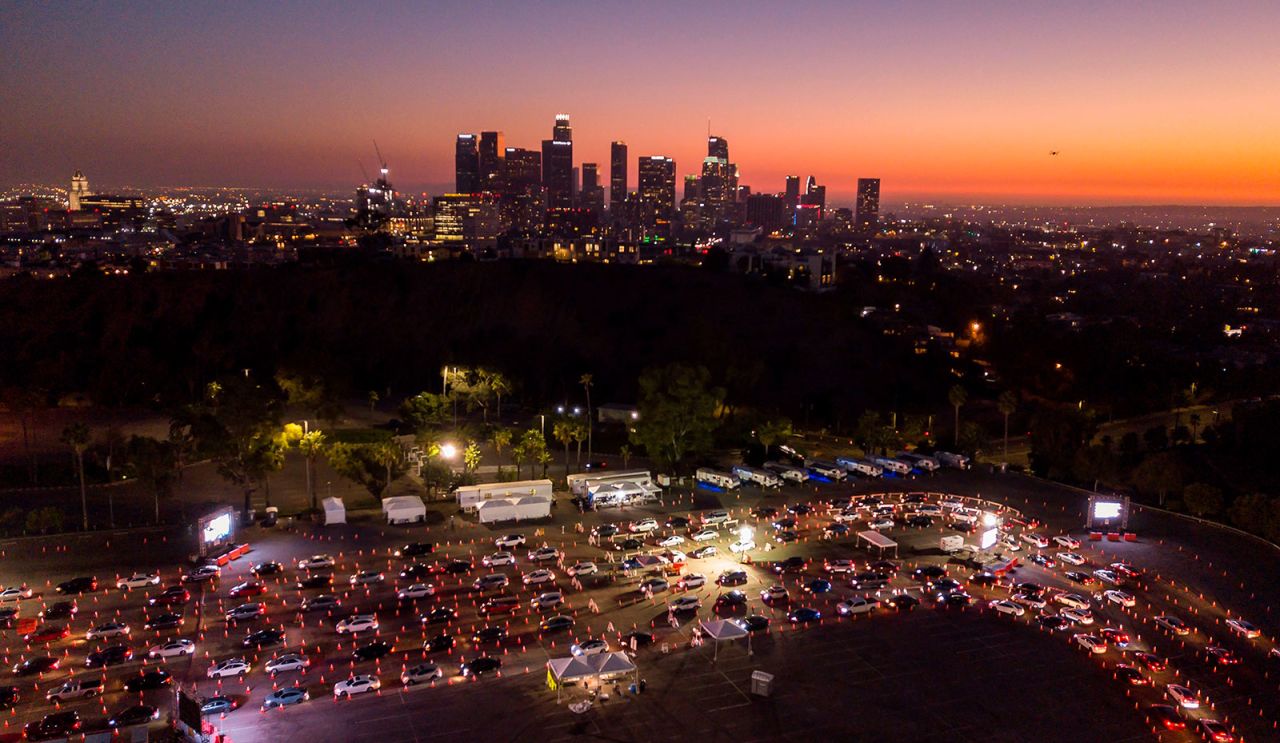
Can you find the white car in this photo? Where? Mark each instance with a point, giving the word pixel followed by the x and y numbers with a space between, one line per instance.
pixel 1070 543
pixel 548 600
pixel 138 580
pixel 1090 643
pixel 839 566
pixel 288 662
pixel 1035 540
pixel 358 684
pixel 1011 544
pixel 229 667
pixel 357 623
pixel 644 526
pixel 1120 597
pixel 1070 558
pixel 774 593
pixel 706 535
pixel 1185 697
pixel 879 524
pixel 589 647
pixel 14 593
pixel 1073 600
pixel 366 577
pixel 1173 624
pixel 181 646
pixel 246 611
pixel 492 580
pixel 509 541
pixel 421 674
pixel 1004 606
pixel 1079 616
pixel 684 603
pixel 1028 599
pixel 693 580
pixel 315 562
pixel 675 540
pixel 583 568
pixel 110 629
pixel 857 605
pixel 416 591
pixel 539 577
pixel 497 559
pixel 1107 576
pixel 744 545
pixel 707 551
pixel 1244 629
pixel 543 554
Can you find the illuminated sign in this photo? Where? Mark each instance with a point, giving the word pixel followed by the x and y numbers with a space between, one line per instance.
pixel 217 529
pixel 988 539
pixel 1107 509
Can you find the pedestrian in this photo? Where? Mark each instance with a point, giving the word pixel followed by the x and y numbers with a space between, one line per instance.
pixel 643 684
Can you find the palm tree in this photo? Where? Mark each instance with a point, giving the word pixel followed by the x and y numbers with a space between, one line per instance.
pixel 311 445
pixel 581 432
pixel 1006 403
pixel 957 397
pixel 562 431
pixel 771 432
pixel 585 380
pixel 501 437
pixel 500 385
pixel 76 436
pixel 625 453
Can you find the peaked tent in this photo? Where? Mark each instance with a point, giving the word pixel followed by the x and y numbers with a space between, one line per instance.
pixel 561 671
pixel 335 511
pixel 610 665
pixel 724 630
pixel 404 509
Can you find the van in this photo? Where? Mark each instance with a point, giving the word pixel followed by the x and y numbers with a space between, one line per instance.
pixel 714 518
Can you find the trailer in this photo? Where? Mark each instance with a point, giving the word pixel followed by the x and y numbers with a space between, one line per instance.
pixel 579 483
pixel 860 466
pixel 763 478
pixel 471 496
pixel 717 478
pixel 622 493
pixel 955 461
pixel 829 470
pixel 892 465
pixel 788 472
pixel 928 464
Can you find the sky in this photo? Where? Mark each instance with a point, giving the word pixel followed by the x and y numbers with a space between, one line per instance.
pixel 956 101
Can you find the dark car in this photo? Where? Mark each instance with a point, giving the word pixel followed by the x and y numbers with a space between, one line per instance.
pixel 371 651
pixel 785 537
pixel 804 615
pixel 920 522
pixel 217 705
pixel 962 527
pixel 7 615
pixel 148 680
pixel 730 601
pixel 489 634
pixel 415 549
pixel 111 655
pixel 55 725
pixel 885 566
pixel 323 580
pixel 732 578
pixel 171 596
pixel 903 602
pixel 481 666
pixel 267 568
pixel 755 623
pixel 1053 622
pixel 1166 716
pixel 942 585
pixel 439 614
pixel 598 464
pixel 9 696
pixel 458 567
pixel 1131 675
pixel 793 564
pixel 138 714
pixel 263 638
pixel 954 598
pixel 870 581
pixel 783 524
pixel 928 573
pixel 677 522
pixel 605 530
pixel 836 529
pixel 439 643
pixel 983 579
pixel 83 584
pixel 60 610
pixel 800 509
pixel 1083 579
pixel 629 544
pixel 818 585
pixel 764 512
pixel 914 498
pixel 37 664
pixel 1042 560
pixel 168 620
pixel 415 571
pixel 640 639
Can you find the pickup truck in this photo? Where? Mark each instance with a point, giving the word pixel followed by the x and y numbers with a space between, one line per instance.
pixel 81 689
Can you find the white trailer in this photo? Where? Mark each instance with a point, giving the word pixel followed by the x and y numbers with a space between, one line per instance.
pixel 957 461
pixel 928 464
pixel 518 508
pixel 788 472
pixel 471 496
pixel 830 470
pixel 859 466
pixel 717 478
pixel 580 482
pixel 892 465
pixel 761 477
pixel 623 493
pixel 952 544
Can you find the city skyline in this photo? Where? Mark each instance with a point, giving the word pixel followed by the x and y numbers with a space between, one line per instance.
pixel 942 103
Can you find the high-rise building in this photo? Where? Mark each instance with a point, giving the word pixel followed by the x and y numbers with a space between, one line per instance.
pixel 557 164
pixel 522 170
pixel 718 147
pixel 657 184
pixel 815 196
pixel 868 215
pixel 791 198
pixel 79 189
pixel 492 152
pixel 466 217
pixel 467 164
pixel 692 188
pixel 591 194
pixel 617 175
pixel 765 210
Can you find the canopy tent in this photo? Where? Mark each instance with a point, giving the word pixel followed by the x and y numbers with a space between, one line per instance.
pixel 878 541
pixel 600 667
pixel 611 665
pixel 335 511
pixel 404 509
pixel 724 630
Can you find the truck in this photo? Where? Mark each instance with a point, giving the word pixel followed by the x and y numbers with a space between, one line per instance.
pixel 860 466
pixel 950 544
pixel 829 470
pixel 717 478
pixel 762 477
pixel 788 472
pixel 921 462
pixel 955 461
pixel 892 465
pixel 76 689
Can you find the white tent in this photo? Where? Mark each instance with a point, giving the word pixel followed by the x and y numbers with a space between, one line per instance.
pixel 878 541
pixel 724 630
pixel 561 671
pixel 492 511
pixel 610 665
pixel 335 512
pixel 404 509
pixel 514 509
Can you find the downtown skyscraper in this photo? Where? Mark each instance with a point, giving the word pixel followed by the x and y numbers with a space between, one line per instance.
pixel 557 164
pixel 657 186
pixel 868 206
pixel 467 164
pixel 617 176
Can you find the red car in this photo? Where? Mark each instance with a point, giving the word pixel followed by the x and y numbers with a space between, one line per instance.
pixel 1221 656
pixel 502 605
pixel 1114 636
pixel 1215 731
pixel 46 634
pixel 1152 662
pixel 171 596
pixel 249 588
pixel 1167 716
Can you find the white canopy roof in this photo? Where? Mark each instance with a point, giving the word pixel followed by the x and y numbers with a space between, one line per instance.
pixel 610 664
pixel 403 504
pixel 722 629
pixel 877 539
pixel 569 669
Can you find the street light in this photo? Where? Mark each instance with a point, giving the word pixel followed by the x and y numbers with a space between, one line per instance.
pixel 448 451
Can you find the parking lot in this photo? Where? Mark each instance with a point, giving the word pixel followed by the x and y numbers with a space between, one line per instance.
pixel 934 673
